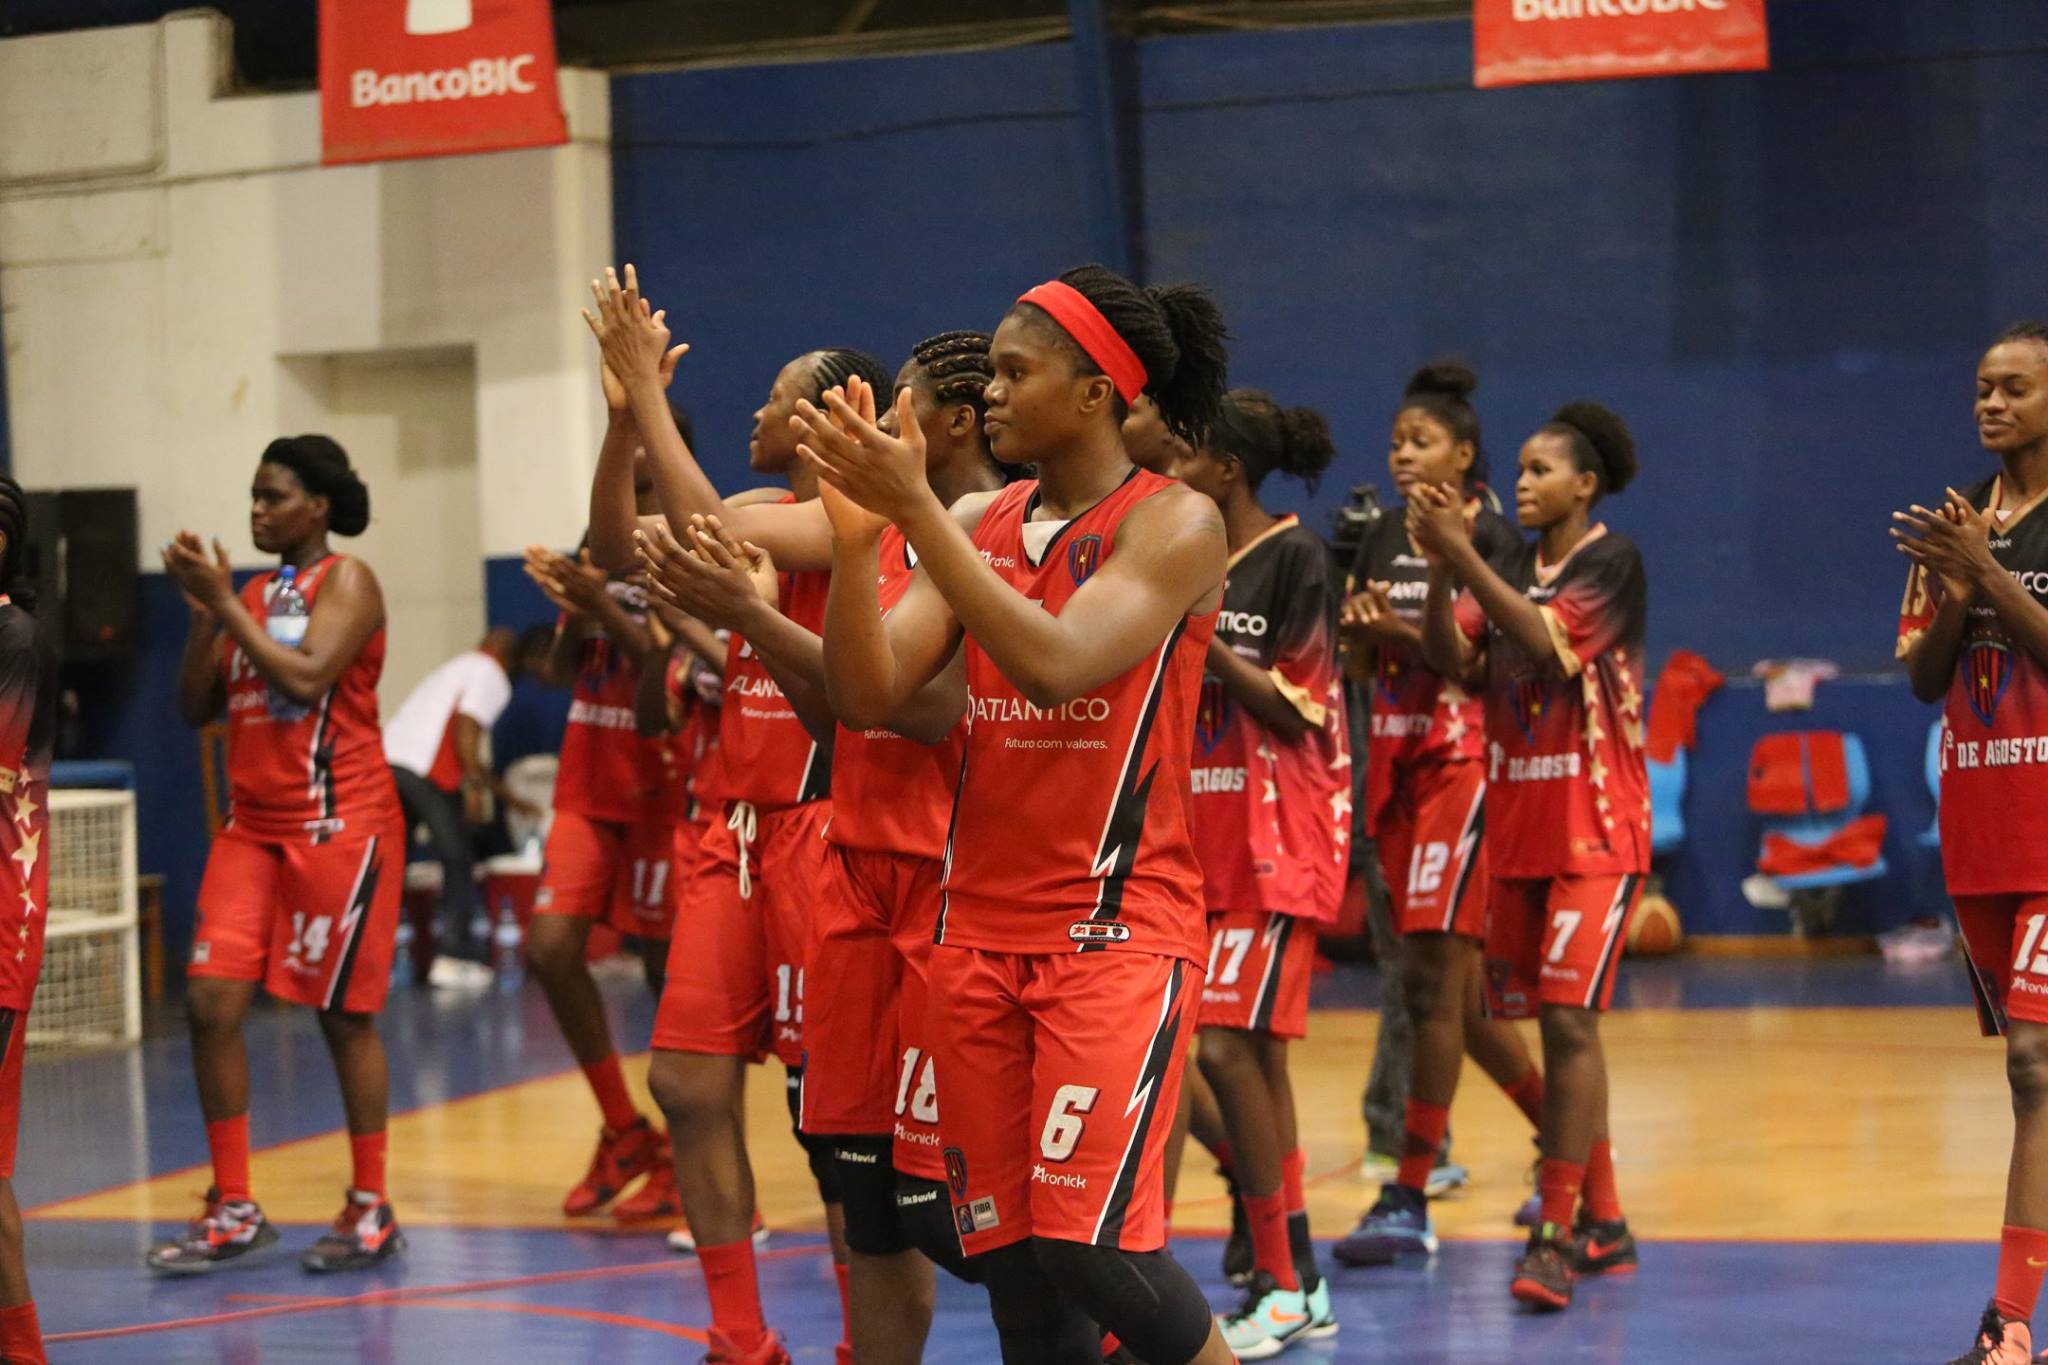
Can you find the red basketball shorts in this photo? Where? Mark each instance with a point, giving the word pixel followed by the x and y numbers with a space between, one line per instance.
pixel 1431 850
pixel 1556 941
pixel 918 1144
pixel 852 987
pixel 736 959
pixel 1260 962
pixel 315 923
pixel 13 1042
pixel 617 874
pixel 2007 949
pixel 1061 1074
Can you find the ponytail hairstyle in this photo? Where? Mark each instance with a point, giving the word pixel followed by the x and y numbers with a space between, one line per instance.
pixel 323 468
pixel 1177 333
pixel 837 364
pixel 14 525
pixel 1443 389
pixel 1263 437
pixel 1600 444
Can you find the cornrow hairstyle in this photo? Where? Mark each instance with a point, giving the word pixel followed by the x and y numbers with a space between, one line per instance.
pixel 322 467
pixel 958 367
pixel 837 364
pixel 1177 333
pixel 2023 331
pixel 1263 437
pixel 14 525
pixel 1443 389
pixel 1600 444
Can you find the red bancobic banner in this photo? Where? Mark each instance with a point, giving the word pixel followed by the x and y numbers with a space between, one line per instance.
pixel 1521 42
pixel 403 78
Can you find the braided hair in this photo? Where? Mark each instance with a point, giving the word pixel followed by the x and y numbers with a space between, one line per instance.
pixel 323 469
pixel 14 525
pixel 1262 436
pixel 837 364
pixel 1600 444
pixel 958 367
pixel 1177 333
pixel 1443 389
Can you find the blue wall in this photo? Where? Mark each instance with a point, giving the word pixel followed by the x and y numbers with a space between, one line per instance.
pixel 1783 280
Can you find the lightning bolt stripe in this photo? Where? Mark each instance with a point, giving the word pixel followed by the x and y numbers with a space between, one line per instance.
pixel 1468 856
pixel 360 897
pixel 1279 932
pixel 1145 1096
pixel 1123 829
pixel 1990 1013
pixel 946 871
pixel 1610 952
pixel 817 780
pixel 320 765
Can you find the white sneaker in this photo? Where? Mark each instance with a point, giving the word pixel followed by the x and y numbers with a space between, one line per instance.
pixel 459 974
pixel 1270 1320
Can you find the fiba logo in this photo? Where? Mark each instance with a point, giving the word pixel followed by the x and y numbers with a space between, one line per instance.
pixel 424 17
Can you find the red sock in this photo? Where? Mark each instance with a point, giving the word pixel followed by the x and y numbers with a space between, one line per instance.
pixel 1293 1168
pixel 845 1310
pixel 1527 1094
pixel 367 1151
pixel 1221 1151
pixel 228 1140
pixel 735 1292
pixel 21 1340
pixel 1271 1252
pixel 2022 1257
pixel 1426 1126
pixel 1558 1182
pixel 1603 1203
pixel 608 1083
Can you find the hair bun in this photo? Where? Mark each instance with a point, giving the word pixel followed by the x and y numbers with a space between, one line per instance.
pixel 1445 377
pixel 1609 436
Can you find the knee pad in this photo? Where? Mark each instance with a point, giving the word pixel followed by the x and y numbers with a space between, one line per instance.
pixel 817 1150
pixel 926 1216
pixel 1035 1322
pixel 1142 1296
pixel 867 1188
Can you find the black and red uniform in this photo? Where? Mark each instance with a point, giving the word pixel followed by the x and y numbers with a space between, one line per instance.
pixel 1272 814
pixel 1073 928
pixel 1425 779
pixel 736 970
pixel 1994 775
pixel 28 730
pixel 1568 793
pixel 611 847
pixel 302 887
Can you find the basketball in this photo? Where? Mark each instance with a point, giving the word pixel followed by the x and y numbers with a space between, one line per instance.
pixel 1656 930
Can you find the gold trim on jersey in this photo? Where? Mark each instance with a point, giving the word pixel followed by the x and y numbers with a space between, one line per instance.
pixel 2013 518
pixel 1260 539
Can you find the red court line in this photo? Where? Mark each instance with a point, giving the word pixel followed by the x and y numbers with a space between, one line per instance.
pixel 414 1293
pixel 539 1310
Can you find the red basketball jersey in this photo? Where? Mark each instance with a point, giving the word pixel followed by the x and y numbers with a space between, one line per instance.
pixel 608 772
pixel 306 771
pixel 1568 793
pixel 765 756
pixel 1272 814
pixel 891 794
pixel 691 750
pixel 1994 752
pixel 1418 717
pixel 1070 830
pixel 28 731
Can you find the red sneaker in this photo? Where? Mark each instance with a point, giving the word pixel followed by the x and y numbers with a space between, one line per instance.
pixel 768 1351
pixel 658 1198
pixel 621 1158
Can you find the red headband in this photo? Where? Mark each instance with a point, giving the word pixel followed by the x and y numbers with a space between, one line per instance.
pixel 1070 308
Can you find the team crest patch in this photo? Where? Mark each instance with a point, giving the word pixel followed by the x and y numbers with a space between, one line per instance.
pixel 1212 714
pixel 1392 676
pixel 1987 671
pixel 1531 695
pixel 1084 557
pixel 1099 931
pixel 956 1172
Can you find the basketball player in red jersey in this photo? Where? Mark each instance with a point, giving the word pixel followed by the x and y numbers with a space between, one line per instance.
pixel 735 981
pixel 1974 633
pixel 1271 820
pixel 1071 934
pixel 302 887
pixel 1425 808
pixel 28 731
pixel 872 927
pixel 1557 625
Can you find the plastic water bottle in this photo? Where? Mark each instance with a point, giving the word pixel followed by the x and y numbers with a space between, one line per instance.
pixel 286 624
pixel 505 942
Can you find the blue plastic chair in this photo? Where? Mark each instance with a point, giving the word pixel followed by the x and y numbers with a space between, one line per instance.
pixel 1818 829
pixel 1667 797
pixel 1932 838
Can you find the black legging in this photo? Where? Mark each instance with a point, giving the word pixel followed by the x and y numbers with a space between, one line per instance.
pixel 441 812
